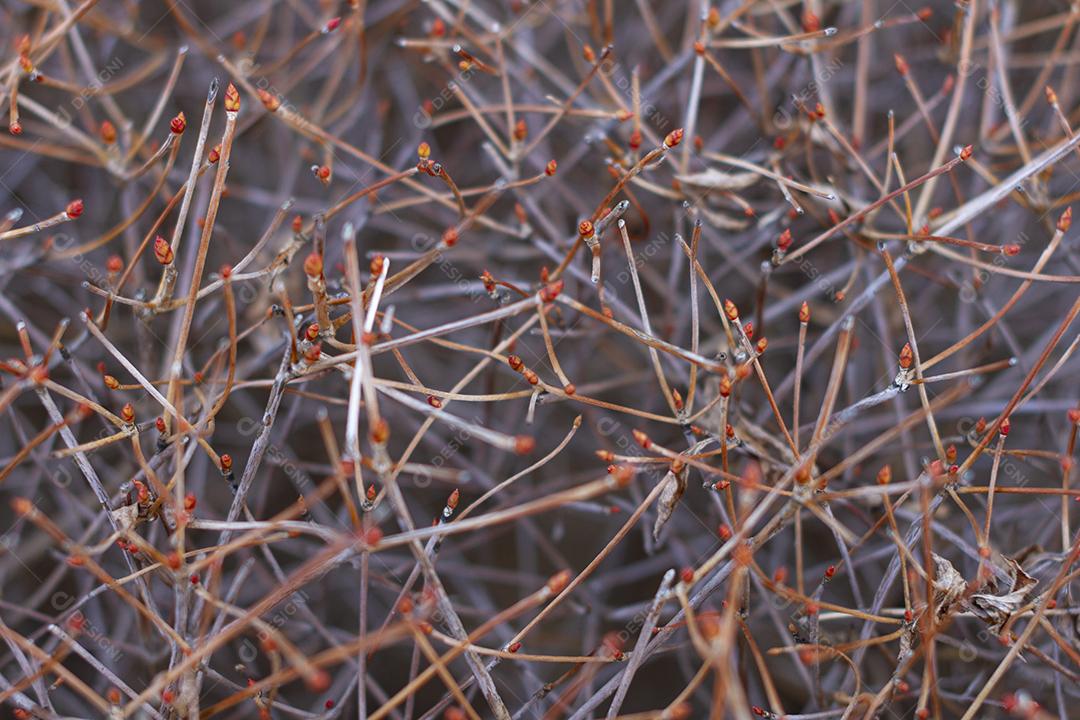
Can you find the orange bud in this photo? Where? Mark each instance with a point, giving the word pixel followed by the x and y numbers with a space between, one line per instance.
pixel 551 291
pixel 376 264
pixel 884 476
pixel 270 101
pixel 232 99
pixel 558 582
pixel 178 124
pixel 731 311
pixel 784 241
pixel 318 681
pixel 673 138
pixel 380 433
pixel 642 439
pixel 163 251
pixel 108 132
pixel 901 64
pixel 906 356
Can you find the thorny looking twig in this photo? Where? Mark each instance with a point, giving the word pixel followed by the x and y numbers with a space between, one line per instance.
pixel 491 336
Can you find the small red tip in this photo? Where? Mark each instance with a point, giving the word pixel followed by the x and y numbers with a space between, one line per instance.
pixel 178 124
